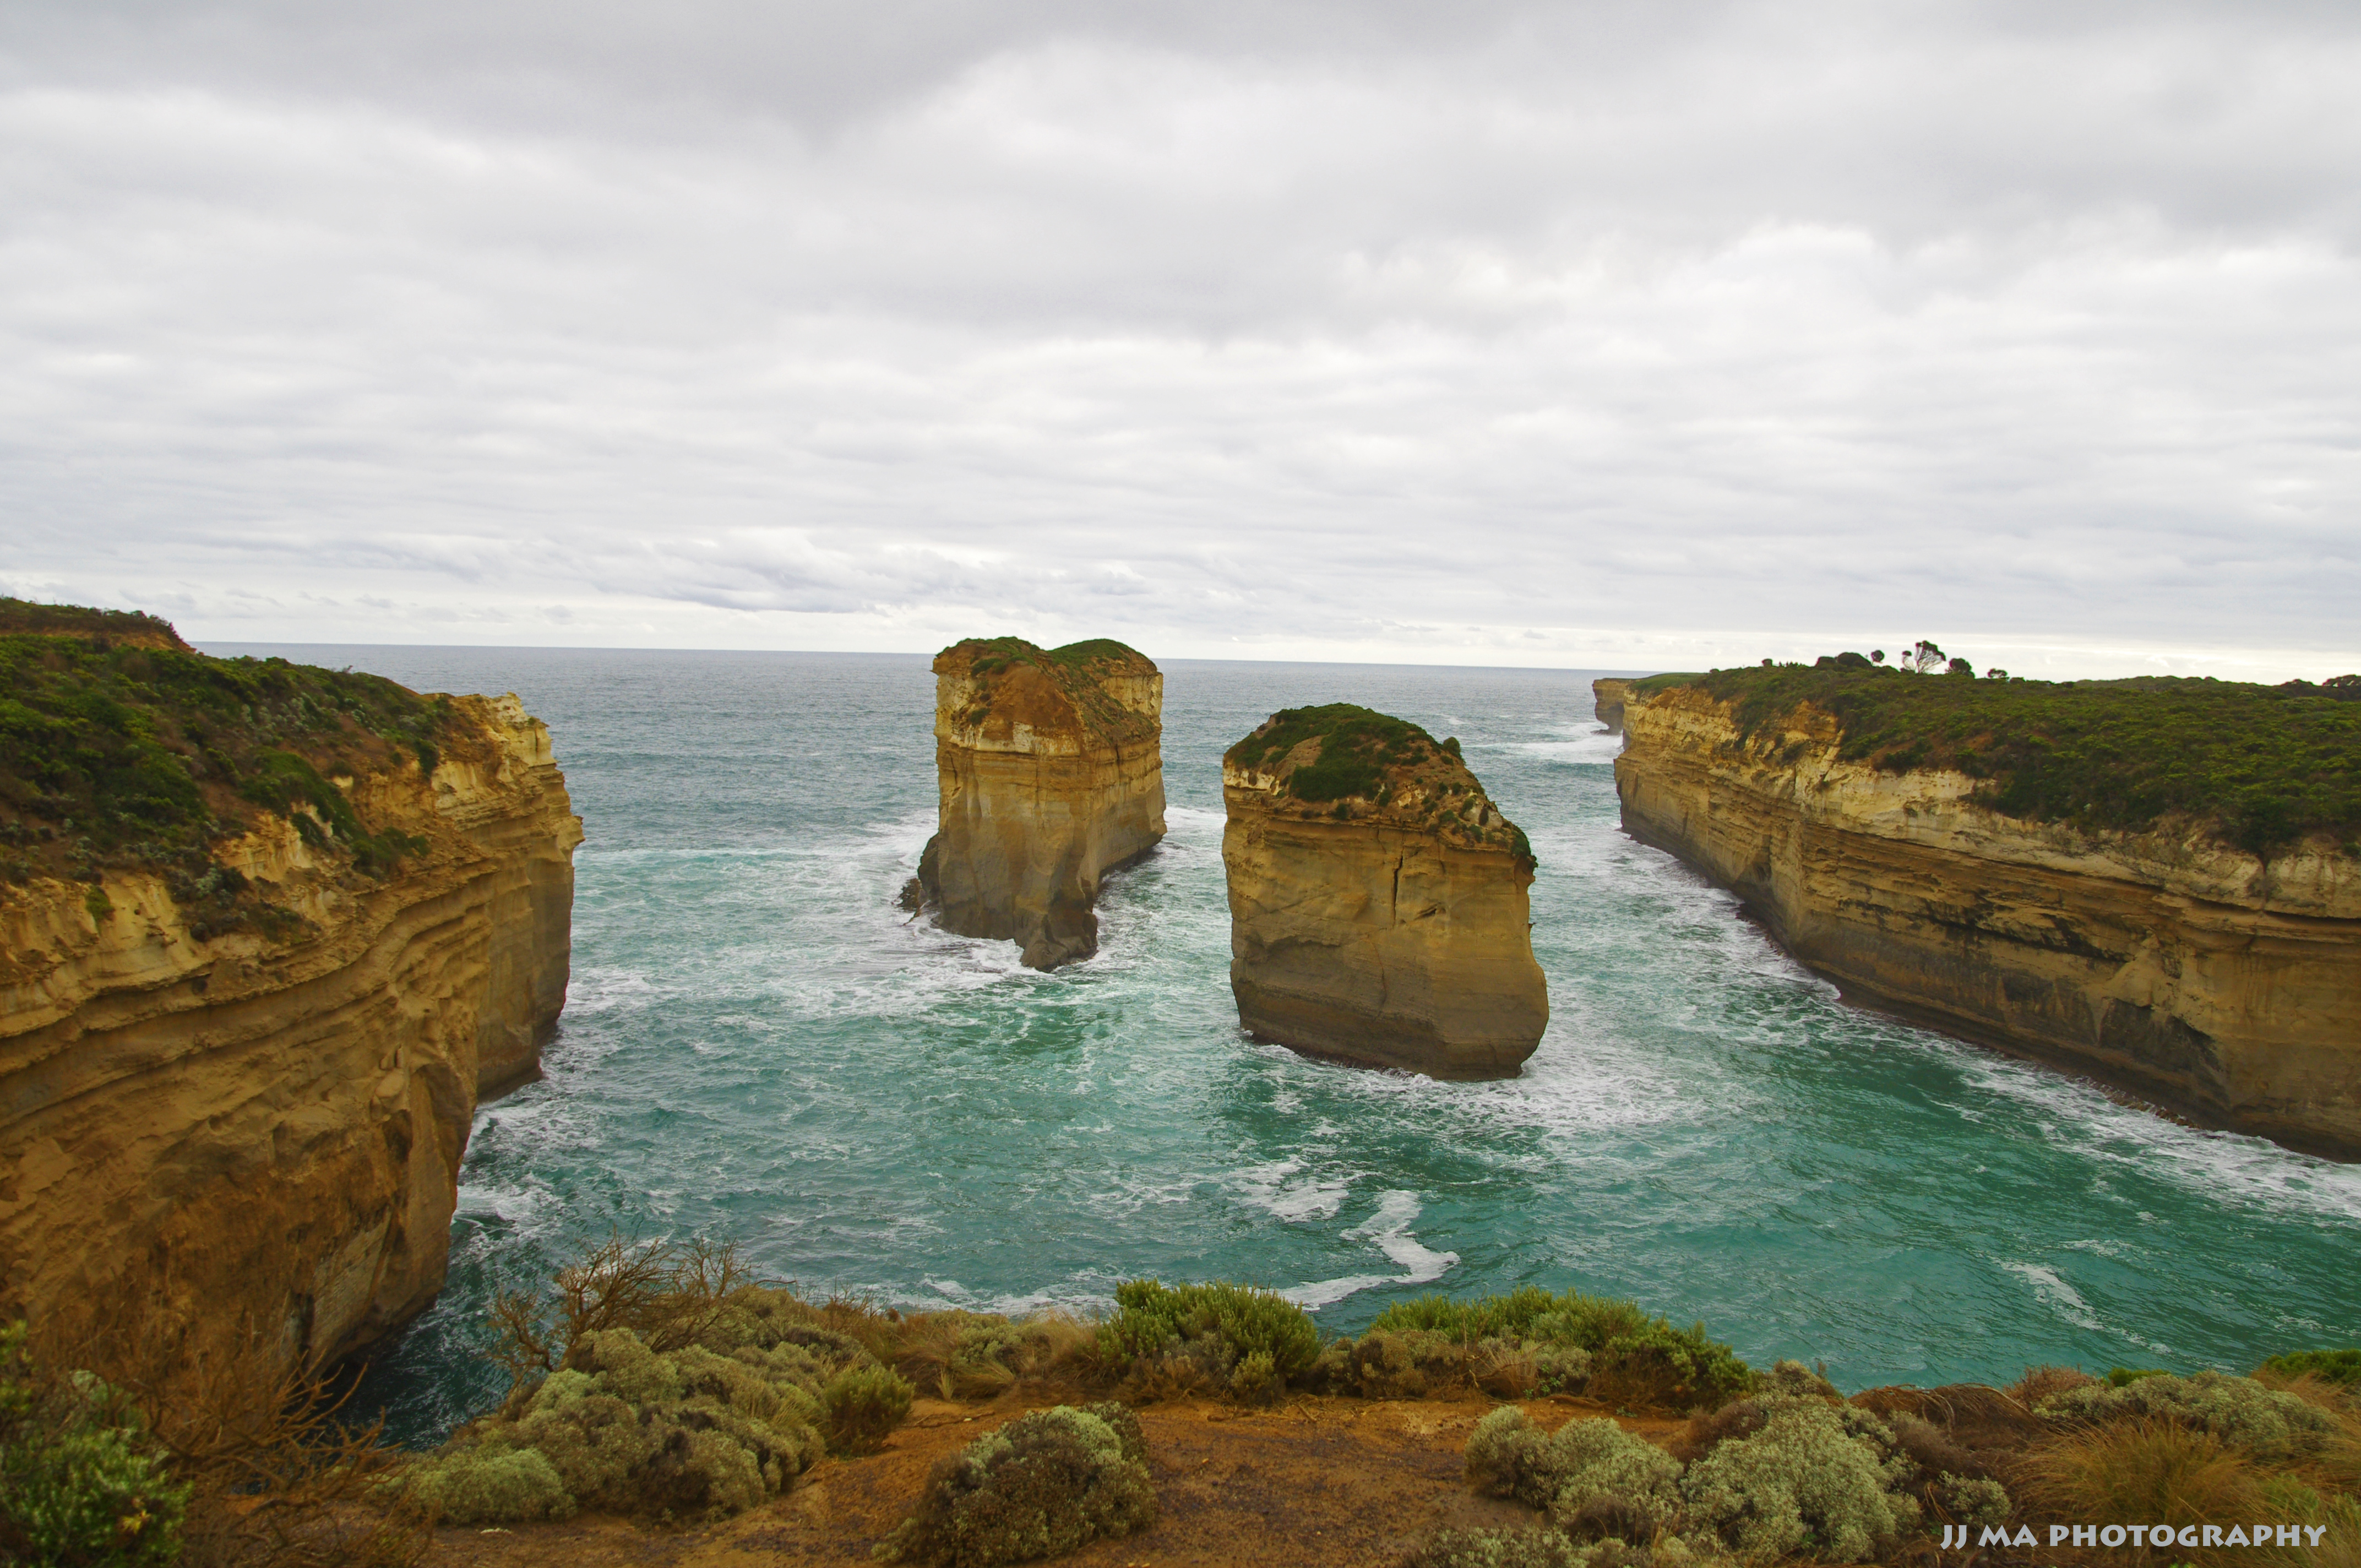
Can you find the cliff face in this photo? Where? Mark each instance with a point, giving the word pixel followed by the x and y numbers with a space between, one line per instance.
pixel 1051 771
pixel 257 1131
pixel 1608 698
pixel 2223 987
pixel 1378 909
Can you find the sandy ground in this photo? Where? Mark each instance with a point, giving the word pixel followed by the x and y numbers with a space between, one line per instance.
pixel 1315 1483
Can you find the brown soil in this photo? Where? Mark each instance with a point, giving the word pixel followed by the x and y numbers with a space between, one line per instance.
pixel 1318 1483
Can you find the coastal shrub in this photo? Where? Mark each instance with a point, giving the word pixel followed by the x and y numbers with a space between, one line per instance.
pixel 1589 1472
pixel 2339 1366
pixel 129 748
pixel 1045 1484
pixel 2040 1382
pixel 1526 1548
pixel 861 1406
pixel 1528 1312
pixel 1819 1477
pixel 2123 1377
pixel 700 1430
pixel 976 1355
pixel 1660 1365
pixel 2260 766
pixel 2260 1422
pixel 82 1482
pixel 1172 1338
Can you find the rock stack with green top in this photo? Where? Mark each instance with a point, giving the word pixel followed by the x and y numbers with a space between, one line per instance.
pixel 1377 898
pixel 1051 770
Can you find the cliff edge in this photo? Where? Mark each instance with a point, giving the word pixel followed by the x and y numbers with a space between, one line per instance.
pixel 1051 767
pixel 1378 908
pixel 2028 867
pixel 267 935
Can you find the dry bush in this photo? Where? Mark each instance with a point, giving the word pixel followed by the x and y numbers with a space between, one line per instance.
pixel 278 1475
pixel 2040 1382
pixel 2141 1469
pixel 667 1295
pixel 1740 1418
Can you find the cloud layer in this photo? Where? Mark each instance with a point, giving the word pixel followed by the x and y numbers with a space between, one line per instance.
pixel 1618 335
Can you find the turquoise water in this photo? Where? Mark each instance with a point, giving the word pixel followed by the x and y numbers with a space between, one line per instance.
pixel 757 1045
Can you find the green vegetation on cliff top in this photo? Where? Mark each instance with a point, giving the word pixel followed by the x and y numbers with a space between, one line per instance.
pixel 2258 766
pixel 122 746
pixel 1370 761
pixel 1078 668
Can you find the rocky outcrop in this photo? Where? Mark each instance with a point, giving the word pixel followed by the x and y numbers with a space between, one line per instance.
pixel 2220 986
pixel 1051 771
pixel 255 1133
pixel 1608 698
pixel 1378 909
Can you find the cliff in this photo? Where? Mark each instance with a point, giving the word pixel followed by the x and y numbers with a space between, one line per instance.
pixel 1378 909
pixel 2220 981
pixel 1608 698
pixel 1051 767
pixel 244 1025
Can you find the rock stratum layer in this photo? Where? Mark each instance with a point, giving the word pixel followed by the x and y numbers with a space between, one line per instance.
pixel 253 1134
pixel 1378 909
pixel 2223 986
pixel 1051 770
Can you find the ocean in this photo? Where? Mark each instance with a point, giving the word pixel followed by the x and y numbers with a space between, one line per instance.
pixel 758 1046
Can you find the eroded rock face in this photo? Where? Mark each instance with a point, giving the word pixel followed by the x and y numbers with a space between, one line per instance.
pixel 1051 770
pixel 258 1135
pixel 1378 909
pixel 1608 697
pixel 2167 962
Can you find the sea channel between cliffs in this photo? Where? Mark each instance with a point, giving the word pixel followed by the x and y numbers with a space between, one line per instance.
pixel 757 1045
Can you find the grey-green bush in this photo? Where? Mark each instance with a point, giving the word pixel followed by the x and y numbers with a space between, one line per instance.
pixel 1045 1484
pixel 2257 1421
pixel 703 1430
pixel 1818 1477
pixel 1589 1474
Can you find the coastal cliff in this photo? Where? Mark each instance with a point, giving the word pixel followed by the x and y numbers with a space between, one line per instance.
pixel 1051 767
pixel 2220 980
pixel 1608 698
pixel 1378 909
pixel 245 1027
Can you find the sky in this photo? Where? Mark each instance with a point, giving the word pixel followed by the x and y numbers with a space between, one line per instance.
pixel 1633 335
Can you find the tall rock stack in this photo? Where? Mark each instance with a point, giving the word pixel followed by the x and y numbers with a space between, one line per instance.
pixel 1051 770
pixel 1378 909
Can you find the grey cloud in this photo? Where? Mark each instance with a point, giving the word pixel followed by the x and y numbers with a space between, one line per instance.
pixel 1371 321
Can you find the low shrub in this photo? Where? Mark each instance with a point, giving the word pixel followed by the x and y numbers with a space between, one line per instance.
pixel 82 1482
pixel 703 1430
pixel 1817 1477
pixel 1045 1484
pixel 1589 1474
pixel 2261 1423
pixel 2339 1366
pixel 1527 1313
pixel 859 1407
pixel 1527 1548
pixel 1177 1339
pixel 1661 1366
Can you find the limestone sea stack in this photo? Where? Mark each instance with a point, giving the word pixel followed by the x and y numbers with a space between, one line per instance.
pixel 1976 855
pixel 1051 770
pixel 267 935
pixel 1378 908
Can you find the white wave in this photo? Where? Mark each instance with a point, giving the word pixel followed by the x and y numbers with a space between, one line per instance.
pixel 2054 1293
pixel 601 989
pixel 1389 1229
pixel 1270 1188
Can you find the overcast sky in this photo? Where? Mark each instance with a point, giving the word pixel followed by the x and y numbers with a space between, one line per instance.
pixel 1636 334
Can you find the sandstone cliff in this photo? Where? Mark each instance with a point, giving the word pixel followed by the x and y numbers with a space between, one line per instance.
pixel 1608 698
pixel 2222 985
pixel 234 1104
pixel 1378 908
pixel 1051 767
